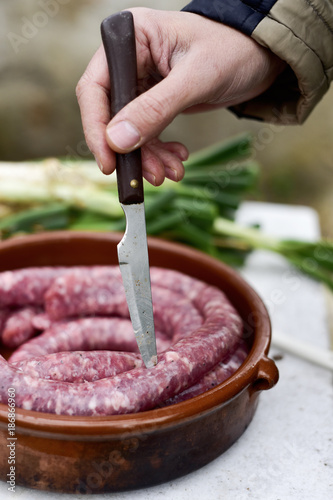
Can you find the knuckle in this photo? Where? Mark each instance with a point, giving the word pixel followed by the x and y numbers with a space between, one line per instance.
pixel 86 80
pixel 81 85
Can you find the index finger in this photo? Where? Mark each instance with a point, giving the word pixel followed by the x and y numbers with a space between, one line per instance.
pixel 92 93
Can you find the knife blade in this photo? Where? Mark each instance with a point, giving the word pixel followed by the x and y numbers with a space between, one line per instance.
pixel 118 36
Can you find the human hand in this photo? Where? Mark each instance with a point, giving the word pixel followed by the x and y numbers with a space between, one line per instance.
pixel 186 62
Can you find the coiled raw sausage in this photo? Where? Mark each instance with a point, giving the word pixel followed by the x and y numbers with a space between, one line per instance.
pixel 198 319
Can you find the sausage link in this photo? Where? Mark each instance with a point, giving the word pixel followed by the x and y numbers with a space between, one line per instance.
pixel 96 291
pixel 84 334
pixel 19 326
pixel 79 366
pixel 221 372
pixel 27 286
pixel 176 282
pixel 41 321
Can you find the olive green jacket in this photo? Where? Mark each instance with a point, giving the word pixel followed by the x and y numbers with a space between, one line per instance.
pixel 301 33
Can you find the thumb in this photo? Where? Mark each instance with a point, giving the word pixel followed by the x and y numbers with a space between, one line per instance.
pixel 149 114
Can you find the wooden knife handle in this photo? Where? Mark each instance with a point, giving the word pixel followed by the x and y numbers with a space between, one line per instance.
pixel 118 37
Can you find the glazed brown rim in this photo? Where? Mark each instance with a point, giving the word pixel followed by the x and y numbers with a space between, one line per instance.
pixel 257 370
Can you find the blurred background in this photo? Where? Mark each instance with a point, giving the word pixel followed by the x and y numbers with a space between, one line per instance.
pixel 45 46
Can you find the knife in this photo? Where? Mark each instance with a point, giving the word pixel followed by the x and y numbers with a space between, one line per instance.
pixel 118 37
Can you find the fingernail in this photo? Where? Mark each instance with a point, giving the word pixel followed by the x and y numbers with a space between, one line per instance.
pixel 171 173
pixel 123 135
pixel 151 178
pixel 100 166
pixel 182 155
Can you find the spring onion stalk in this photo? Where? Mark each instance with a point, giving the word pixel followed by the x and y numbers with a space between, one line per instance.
pixel 312 258
pixel 82 196
pixel 235 148
pixel 50 217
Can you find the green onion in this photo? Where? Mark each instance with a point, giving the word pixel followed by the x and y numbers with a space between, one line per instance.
pixel 235 148
pixel 54 216
pixel 312 258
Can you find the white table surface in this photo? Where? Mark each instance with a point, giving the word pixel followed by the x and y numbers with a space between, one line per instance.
pixel 287 451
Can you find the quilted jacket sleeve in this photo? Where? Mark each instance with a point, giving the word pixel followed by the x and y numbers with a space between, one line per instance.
pixel 301 33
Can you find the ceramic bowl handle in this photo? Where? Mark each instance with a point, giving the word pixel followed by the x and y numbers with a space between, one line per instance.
pixel 267 375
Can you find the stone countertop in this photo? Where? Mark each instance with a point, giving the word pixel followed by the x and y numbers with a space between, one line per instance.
pixel 287 451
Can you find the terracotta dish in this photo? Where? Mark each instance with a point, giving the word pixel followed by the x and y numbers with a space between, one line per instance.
pixel 104 454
